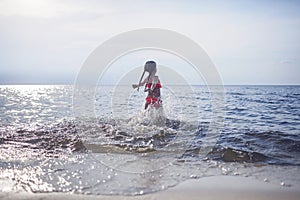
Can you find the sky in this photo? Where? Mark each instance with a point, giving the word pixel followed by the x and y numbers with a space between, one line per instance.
pixel 250 42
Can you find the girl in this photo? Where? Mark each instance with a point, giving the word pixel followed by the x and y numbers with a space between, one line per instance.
pixel 152 85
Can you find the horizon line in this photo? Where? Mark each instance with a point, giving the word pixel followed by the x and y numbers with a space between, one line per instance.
pixel 68 84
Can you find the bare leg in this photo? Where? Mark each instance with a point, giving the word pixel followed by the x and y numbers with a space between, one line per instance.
pixel 146 105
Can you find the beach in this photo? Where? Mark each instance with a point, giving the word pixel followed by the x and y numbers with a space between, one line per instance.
pixel 213 188
pixel 149 100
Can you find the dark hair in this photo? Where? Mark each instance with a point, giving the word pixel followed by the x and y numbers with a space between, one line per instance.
pixel 150 66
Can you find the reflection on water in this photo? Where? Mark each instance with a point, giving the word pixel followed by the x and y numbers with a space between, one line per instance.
pixel 43 148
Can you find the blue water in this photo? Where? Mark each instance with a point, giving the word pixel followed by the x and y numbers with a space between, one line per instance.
pixel 45 148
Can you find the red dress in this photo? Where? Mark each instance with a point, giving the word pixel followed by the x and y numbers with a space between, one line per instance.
pixel 153 97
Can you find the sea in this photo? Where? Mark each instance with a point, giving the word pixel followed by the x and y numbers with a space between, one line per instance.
pixel 119 148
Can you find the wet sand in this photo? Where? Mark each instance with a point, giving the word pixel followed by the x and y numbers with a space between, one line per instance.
pixel 212 188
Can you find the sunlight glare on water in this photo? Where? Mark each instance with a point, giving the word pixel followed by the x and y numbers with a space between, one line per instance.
pixel 44 149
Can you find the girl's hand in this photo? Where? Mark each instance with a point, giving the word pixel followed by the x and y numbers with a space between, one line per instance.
pixel 134 86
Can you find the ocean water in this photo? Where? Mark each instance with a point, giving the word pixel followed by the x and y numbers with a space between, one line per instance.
pixel 123 149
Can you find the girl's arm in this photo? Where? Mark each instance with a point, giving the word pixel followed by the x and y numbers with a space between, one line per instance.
pixel 158 81
pixel 155 81
pixel 141 84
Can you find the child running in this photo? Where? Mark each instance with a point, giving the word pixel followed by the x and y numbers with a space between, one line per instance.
pixel 152 85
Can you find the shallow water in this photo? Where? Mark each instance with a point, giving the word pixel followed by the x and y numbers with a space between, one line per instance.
pixel 123 150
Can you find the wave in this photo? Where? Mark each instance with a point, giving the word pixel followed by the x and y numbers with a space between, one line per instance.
pixel 74 136
pixel 102 136
pixel 228 154
pixel 58 138
pixel 272 147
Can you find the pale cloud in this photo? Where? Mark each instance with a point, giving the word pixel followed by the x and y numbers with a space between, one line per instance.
pixel 50 8
pixel 30 8
pixel 287 61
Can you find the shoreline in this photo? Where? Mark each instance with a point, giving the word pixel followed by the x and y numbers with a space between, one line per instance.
pixel 214 187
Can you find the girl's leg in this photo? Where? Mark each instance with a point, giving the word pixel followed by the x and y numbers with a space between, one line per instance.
pixel 146 105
